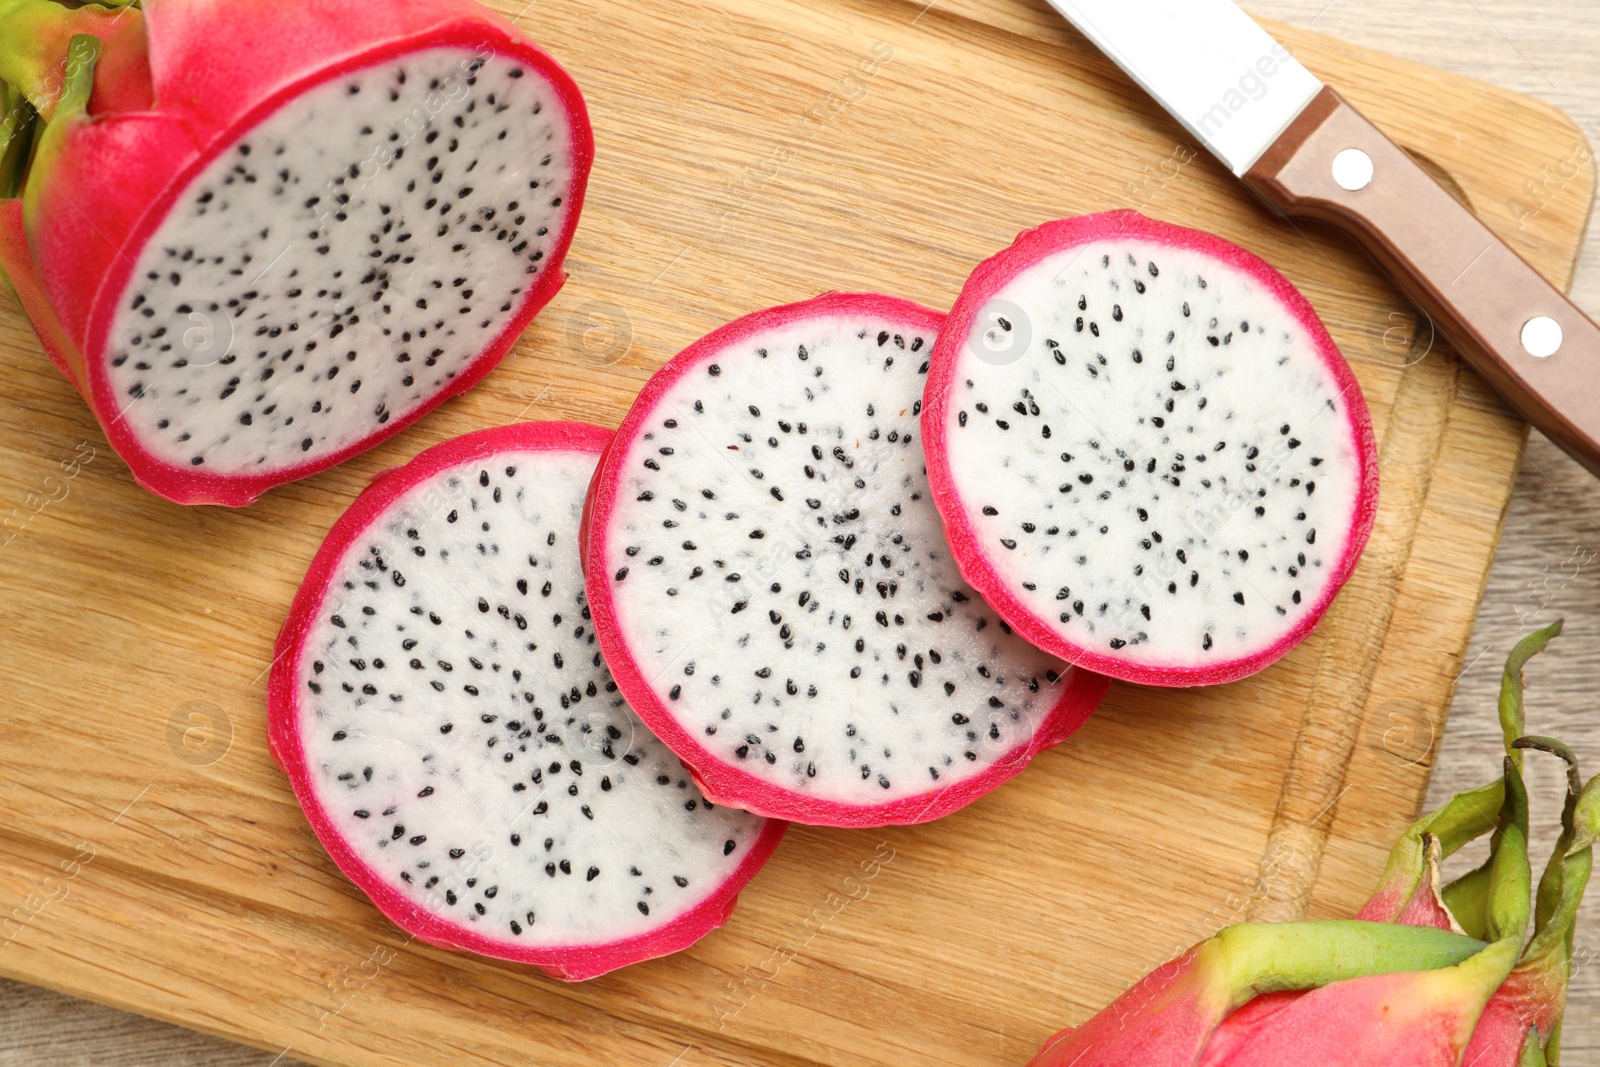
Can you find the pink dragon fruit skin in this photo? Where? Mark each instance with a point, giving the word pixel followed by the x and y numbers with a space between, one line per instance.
pixel 1168 1017
pixel 215 70
pixel 1170 1012
pixel 40 32
pixel 1417 1018
pixel 17 267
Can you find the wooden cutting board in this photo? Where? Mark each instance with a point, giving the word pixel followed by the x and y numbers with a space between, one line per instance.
pixel 754 152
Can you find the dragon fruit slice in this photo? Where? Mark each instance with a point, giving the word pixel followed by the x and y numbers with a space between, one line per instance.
pixel 443 713
pixel 774 593
pixel 255 268
pixel 1151 458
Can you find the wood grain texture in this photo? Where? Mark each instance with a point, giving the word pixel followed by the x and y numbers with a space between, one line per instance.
pixel 1548 564
pixel 206 902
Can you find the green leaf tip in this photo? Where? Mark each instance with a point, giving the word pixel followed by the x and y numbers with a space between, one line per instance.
pixel 1586 818
pixel 1511 684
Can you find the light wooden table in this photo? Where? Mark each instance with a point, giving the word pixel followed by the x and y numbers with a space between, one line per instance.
pixel 1548 566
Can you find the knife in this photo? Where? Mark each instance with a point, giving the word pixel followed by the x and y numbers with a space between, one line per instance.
pixel 1301 147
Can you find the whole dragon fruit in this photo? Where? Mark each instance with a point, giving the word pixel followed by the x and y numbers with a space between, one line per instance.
pixel 1152 460
pixel 1363 993
pixel 260 237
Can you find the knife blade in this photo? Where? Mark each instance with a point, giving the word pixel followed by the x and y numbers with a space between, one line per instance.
pixel 1231 85
pixel 1307 152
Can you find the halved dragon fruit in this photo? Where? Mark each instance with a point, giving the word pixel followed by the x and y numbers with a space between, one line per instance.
pixel 447 722
pixel 279 233
pixel 773 591
pixel 1149 454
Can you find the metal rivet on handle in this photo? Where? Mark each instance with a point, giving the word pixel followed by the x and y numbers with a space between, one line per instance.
pixel 1352 169
pixel 1541 337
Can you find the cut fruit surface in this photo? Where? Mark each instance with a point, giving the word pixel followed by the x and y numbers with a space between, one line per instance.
pixel 773 590
pixel 261 278
pixel 1149 454
pixel 448 724
pixel 325 297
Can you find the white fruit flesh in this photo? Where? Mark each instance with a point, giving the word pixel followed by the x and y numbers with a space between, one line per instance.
pixel 464 738
pixel 782 581
pixel 342 262
pixel 1152 453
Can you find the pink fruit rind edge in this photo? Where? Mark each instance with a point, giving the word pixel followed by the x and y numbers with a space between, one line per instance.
pixel 1030 247
pixel 572 963
pixel 88 259
pixel 721 782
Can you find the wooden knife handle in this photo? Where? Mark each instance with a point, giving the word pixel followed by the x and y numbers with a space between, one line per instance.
pixel 1333 165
